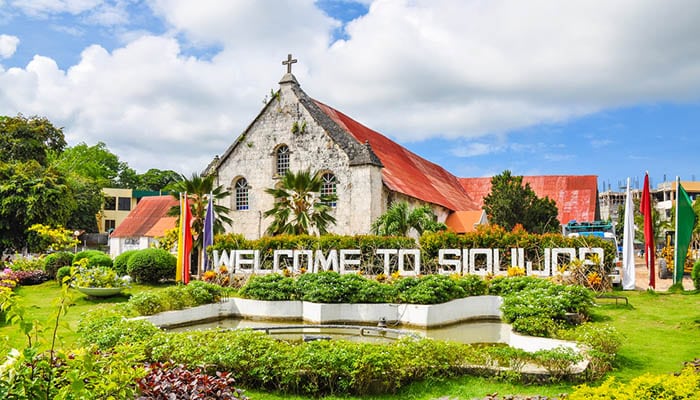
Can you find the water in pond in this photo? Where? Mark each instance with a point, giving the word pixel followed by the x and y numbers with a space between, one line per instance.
pixel 466 332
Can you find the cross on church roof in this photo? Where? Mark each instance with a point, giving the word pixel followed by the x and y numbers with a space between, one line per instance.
pixel 289 63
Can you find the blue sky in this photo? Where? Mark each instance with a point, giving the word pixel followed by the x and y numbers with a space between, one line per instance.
pixel 540 88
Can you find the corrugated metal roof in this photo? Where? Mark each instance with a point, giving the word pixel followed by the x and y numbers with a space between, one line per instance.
pixel 463 221
pixel 148 218
pixel 406 172
pixel 576 196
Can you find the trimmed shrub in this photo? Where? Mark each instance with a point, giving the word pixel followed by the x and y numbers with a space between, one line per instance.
pixel 695 275
pixel 151 265
pixel 54 261
pixel 95 258
pixel 62 273
pixel 120 262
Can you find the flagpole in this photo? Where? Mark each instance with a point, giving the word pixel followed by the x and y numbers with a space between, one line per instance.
pixel 675 240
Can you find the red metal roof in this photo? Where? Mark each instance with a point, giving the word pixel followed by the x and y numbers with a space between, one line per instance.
pixel 406 172
pixel 463 221
pixel 576 196
pixel 149 218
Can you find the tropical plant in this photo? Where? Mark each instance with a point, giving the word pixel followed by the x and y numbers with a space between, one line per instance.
pixel 300 207
pixel 198 190
pixel 399 219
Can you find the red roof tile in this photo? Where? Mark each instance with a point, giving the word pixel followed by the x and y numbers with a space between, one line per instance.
pixel 576 196
pixel 406 172
pixel 148 218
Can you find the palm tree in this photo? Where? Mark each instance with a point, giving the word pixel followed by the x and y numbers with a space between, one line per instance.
pixel 198 190
pixel 300 208
pixel 399 219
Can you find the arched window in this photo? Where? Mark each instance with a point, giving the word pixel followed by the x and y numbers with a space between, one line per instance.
pixel 328 187
pixel 282 158
pixel 241 194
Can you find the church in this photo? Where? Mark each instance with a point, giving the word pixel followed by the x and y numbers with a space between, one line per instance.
pixel 364 169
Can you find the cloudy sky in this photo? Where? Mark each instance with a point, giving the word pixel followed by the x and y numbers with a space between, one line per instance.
pixel 608 88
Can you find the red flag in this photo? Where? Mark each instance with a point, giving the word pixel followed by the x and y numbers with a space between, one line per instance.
pixel 184 243
pixel 649 245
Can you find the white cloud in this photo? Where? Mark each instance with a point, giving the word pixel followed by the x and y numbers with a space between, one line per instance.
pixel 42 8
pixel 410 69
pixel 8 45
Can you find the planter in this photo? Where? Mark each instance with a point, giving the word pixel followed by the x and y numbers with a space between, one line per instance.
pixel 100 292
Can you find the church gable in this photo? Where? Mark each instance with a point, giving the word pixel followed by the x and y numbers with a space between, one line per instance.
pixel 291 133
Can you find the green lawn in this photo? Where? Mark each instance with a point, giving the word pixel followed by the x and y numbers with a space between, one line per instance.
pixel 661 331
pixel 40 304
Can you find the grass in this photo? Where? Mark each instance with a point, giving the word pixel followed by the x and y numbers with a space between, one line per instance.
pixel 39 302
pixel 660 331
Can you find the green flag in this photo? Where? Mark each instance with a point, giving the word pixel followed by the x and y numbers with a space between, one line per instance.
pixel 685 221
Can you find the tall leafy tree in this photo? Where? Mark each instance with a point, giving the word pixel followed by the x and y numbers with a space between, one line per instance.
pixel 31 194
pixel 156 179
pixel 300 208
pixel 98 164
pixel 511 203
pixel 31 190
pixel 24 139
pixel 399 219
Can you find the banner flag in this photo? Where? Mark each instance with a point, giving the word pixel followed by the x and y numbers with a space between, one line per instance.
pixel 184 242
pixel 685 221
pixel 208 233
pixel 628 274
pixel 649 240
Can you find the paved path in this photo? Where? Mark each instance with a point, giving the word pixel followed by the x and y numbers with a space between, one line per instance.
pixel 642 278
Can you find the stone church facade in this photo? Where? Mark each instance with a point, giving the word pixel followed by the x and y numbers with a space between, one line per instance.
pixel 366 170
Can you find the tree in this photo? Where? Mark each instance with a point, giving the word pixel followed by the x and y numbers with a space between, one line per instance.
pixel 31 194
pixel 198 190
pixel 157 180
pixel 511 203
pixel 97 164
pixel 399 219
pixel 23 139
pixel 300 208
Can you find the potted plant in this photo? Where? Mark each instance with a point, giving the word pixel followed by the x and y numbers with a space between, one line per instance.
pixel 98 281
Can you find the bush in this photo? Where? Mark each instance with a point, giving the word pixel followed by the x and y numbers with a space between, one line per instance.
pixel 269 287
pixel 147 303
pixel 430 289
pixel 106 330
pixel 27 264
pixel 203 292
pixel 602 341
pixel 661 386
pixel 120 261
pixel 695 275
pixel 54 261
pixel 62 273
pixel 151 265
pixel 95 258
pixel 28 277
pixel 473 285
